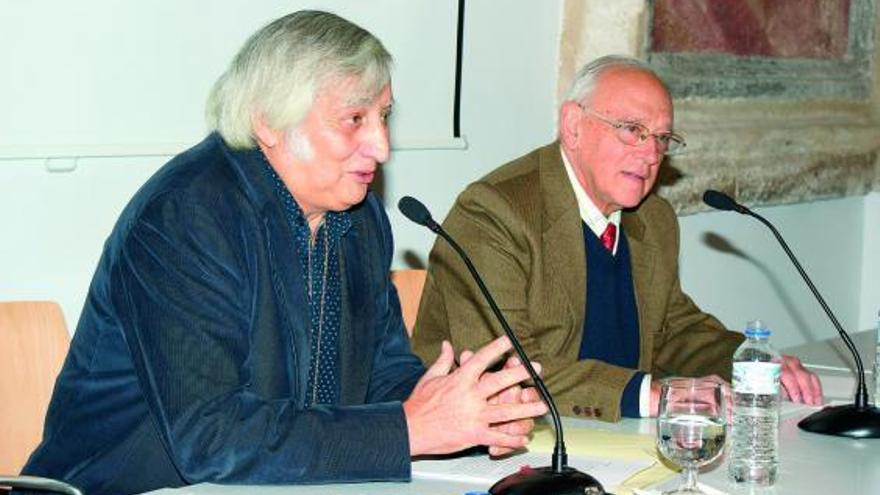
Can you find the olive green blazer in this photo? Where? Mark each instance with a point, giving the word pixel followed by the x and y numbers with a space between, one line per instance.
pixel 521 226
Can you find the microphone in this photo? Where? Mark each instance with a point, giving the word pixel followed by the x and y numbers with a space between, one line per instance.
pixel 559 478
pixel 857 420
pixel 721 201
pixel 417 212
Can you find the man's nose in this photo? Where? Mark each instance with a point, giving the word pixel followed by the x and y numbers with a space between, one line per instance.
pixel 653 149
pixel 376 143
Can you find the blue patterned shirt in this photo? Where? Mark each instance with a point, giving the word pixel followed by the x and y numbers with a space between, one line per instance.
pixel 319 256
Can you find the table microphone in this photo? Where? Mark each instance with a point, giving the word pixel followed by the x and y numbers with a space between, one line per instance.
pixel 857 420
pixel 558 479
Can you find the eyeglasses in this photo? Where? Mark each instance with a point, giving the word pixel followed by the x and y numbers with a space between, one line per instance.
pixel 635 134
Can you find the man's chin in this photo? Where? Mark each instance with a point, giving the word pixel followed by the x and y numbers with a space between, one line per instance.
pixel 632 202
pixel 351 201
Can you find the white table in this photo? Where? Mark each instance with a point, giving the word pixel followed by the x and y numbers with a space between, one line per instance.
pixel 809 463
pixel 419 487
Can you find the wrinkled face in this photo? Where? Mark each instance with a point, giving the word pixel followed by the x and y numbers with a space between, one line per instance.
pixel 613 174
pixel 328 161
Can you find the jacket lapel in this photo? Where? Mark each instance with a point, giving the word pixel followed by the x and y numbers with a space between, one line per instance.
pixel 563 244
pixel 353 372
pixel 288 279
pixel 290 288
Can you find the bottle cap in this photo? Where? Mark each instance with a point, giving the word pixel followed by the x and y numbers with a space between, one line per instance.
pixel 757 328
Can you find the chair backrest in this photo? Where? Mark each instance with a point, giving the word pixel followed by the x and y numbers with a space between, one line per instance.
pixel 33 344
pixel 409 284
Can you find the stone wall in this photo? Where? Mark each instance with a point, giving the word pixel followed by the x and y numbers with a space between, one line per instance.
pixel 763 150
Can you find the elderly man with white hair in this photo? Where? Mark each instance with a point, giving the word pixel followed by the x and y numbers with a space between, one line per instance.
pixel 583 256
pixel 241 327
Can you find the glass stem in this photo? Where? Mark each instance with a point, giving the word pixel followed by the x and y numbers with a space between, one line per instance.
pixel 690 478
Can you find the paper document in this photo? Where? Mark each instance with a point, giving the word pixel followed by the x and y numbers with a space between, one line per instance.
pixel 594 442
pixel 483 471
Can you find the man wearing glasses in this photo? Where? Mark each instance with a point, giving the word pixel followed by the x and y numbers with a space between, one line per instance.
pixel 583 258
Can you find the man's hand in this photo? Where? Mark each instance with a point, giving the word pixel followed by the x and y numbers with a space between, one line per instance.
pixel 800 384
pixel 514 395
pixel 450 411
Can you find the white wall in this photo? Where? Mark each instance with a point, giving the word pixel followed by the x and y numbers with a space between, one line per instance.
pixel 132 77
pixel 753 278
pixel 870 301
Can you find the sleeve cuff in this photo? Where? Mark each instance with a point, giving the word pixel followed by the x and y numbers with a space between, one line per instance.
pixel 645 397
pixel 630 401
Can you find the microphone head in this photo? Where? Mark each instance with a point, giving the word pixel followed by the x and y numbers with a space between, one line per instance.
pixel 720 201
pixel 415 211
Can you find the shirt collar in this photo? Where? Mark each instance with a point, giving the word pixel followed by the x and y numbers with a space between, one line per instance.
pixel 590 214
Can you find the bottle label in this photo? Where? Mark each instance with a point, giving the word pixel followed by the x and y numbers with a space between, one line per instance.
pixel 756 378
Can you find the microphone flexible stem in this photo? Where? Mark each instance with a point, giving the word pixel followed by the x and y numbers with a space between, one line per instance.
pixel 861 389
pixel 560 458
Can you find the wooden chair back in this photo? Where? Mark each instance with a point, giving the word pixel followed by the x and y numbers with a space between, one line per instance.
pixel 33 344
pixel 409 284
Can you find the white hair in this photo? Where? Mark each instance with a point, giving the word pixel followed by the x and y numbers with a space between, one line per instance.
pixel 278 71
pixel 585 80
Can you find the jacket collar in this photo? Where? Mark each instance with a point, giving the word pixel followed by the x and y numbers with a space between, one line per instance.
pixel 248 164
pixel 558 197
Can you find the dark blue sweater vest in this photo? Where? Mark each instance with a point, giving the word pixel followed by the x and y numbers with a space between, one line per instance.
pixel 611 326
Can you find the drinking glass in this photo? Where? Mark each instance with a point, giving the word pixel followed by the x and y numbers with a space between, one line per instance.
pixel 691 426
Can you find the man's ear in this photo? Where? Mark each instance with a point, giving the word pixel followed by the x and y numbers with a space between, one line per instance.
pixel 267 137
pixel 570 115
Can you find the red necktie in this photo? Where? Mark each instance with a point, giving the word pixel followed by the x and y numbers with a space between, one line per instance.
pixel 608 237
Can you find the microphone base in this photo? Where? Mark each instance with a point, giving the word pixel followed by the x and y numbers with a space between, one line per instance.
pixel 844 421
pixel 543 481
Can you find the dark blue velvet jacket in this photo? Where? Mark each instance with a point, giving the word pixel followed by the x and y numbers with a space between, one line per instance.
pixel 190 360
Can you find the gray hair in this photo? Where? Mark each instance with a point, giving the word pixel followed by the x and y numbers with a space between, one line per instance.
pixel 278 71
pixel 585 80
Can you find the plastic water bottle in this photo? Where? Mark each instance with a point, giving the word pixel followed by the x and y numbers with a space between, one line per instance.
pixel 755 438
